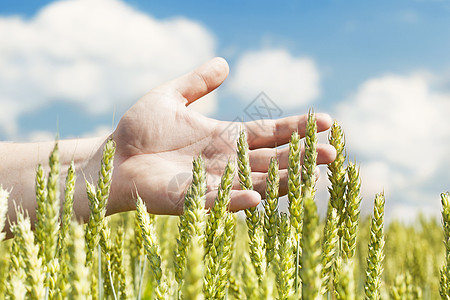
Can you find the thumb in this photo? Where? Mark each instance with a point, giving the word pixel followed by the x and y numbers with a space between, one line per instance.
pixel 202 80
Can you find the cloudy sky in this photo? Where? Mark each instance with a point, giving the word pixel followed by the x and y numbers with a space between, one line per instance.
pixel 381 68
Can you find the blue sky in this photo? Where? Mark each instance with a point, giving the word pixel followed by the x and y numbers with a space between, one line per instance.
pixel 381 68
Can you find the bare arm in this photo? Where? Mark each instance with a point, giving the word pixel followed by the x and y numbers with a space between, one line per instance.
pixel 18 172
pixel 156 141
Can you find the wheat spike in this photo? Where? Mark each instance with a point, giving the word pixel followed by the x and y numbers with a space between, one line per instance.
pixel 98 197
pixel 353 200
pixel 329 248
pixel 253 216
pixel 151 248
pixel 376 251
pixel 193 218
pixel 271 210
pixel 286 268
pixel 216 217
pixel 337 171
pixel 310 157
pixel 29 254
pixel 311 260
pixel 62 254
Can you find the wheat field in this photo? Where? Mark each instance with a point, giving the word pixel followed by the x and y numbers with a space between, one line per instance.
pixel 266 254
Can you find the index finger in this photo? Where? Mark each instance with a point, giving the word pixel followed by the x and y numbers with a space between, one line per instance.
pixel 272 133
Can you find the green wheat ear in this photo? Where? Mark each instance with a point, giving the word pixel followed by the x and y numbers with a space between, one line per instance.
pixel 295 199
pixel 192 220
pixel 310 243
pixel 376 250
pixel 62 253
pixel 253 216
pixel 352 210
pixel 151 248
pixel 47 211
pixel 221 203
pixel 286 264
pixel 271 210
pixel 217 237
pixel 337 170
pixel 329 249
pixel 294 183
pixel 98 198
pixel 310 158
pixel 29 255
pixel 336 206
pixel 311 253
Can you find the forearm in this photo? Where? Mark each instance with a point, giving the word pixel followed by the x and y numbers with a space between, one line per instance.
pixel 18 171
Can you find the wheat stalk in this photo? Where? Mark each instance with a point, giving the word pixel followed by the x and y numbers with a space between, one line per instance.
pixel 286 268
pixel 29 254
pixel 98 197
pixel 41 199
pixel 68 205
pixel 352 210
pixel 294 184
pixel 151 248
pixel 337 172
pixel 253 216
pixel 271 210
pixel 310 156
pixel 224 264
pixel 376 250
pixel 216 217
pixel 193 217
pixel 311 259
pixel 214 262
pixel 295 198
pixel 62 254
pixel 329 248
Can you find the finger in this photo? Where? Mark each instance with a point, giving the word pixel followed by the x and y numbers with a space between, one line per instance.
pixel 239 199
pixel 260 158
pixel 202 80
pixel 260 182
pixel 272 133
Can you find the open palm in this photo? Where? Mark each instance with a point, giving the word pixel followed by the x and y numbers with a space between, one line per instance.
pixel 159 136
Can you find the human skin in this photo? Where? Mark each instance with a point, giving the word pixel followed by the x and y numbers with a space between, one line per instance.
pixel 156 141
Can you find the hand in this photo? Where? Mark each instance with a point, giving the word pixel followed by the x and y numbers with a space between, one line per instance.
pixel 159 136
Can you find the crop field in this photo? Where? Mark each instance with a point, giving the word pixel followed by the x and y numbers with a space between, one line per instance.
pixel 214 254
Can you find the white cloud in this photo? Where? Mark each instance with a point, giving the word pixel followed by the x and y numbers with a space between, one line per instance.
pixel 95 53
pixel 398 126
pixel 288 80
